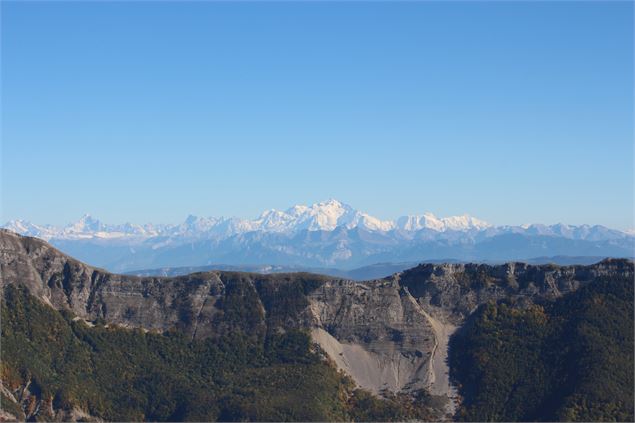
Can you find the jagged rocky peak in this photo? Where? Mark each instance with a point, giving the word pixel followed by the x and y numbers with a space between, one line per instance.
pixel 87 223
pixel 456 289
pixel 452 223
pixel 329 234
pixel 323 216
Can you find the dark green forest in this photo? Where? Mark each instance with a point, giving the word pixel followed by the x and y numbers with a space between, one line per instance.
pixel 569 360
pixel 130 375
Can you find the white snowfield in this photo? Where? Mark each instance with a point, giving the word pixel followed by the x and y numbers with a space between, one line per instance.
pixel 325 216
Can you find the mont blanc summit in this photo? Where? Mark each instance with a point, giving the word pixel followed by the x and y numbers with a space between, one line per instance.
pixel 325 234
pixel 323 216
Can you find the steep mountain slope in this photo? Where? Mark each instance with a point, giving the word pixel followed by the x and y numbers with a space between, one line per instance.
pixel 388 335
pixel 567 360
pixel 222 346
pixel 58 369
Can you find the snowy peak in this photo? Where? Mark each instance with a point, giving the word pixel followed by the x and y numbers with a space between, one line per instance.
pixel 586 232
pixel 195 224
pixel 29 229
pixel 430 221
pixel 85 228
pixel 322 216
pixel 370 223
pixel 86 224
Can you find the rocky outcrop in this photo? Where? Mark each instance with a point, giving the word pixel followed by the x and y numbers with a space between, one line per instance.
pixel 375 331
pixel 191 303
pixel 386 334
pixel 455 290
pixel 27 403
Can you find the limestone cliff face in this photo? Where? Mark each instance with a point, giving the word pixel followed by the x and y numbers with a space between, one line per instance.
pixel 387 334
pixel 90 293
pixel 454 291
pixel 196 304
pixel 375 331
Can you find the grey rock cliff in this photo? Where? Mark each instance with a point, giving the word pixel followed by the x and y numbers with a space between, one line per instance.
pixel 387 334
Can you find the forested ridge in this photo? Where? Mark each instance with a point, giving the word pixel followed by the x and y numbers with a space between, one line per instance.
pixel 120 374
pixel 570 360
pixel 534 342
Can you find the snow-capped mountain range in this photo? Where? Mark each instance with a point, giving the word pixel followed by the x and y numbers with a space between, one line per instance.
pixel 324 216
pixel 329 233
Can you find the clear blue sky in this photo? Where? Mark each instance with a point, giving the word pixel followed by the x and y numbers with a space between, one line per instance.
pixel 138 111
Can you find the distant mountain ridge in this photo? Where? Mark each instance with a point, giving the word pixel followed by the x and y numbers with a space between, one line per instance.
pixel 327 234
pixel 372 271
pixel 324 216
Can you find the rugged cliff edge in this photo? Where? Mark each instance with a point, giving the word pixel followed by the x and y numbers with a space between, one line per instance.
pixel 389 334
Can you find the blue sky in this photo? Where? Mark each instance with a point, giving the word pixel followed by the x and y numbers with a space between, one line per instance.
pixel 138 111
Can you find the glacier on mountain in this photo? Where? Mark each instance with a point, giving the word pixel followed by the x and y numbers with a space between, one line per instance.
pixel 323 216
pixel 326 234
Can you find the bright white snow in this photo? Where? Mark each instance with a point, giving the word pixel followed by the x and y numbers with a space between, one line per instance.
pixel 323 216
